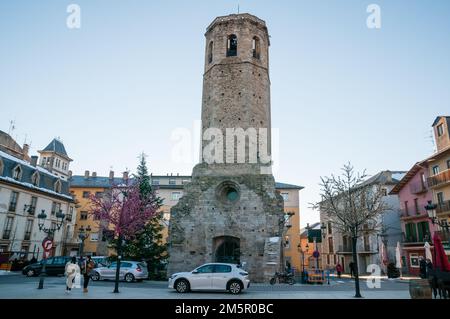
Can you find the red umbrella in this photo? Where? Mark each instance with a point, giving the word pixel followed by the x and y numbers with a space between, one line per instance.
pixel 441 260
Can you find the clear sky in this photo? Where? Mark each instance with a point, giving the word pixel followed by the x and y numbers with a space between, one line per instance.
pixel 132 74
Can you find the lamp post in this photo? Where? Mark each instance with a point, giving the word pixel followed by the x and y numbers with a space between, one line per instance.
pixel 82 235
pixel 50 234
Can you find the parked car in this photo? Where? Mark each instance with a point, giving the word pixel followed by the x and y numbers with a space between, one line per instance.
pixel 212 276
pixel 129 271
pixel 100 261
pixel 54 266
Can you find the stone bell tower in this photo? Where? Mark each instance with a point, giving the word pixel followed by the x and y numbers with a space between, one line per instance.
pixel 230 212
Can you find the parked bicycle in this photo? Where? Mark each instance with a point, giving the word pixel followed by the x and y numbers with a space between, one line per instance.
pixel 282 278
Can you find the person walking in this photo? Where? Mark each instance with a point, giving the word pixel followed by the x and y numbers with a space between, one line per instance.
pixel 71 270
pixel 339 270
pixel 88 265
pixel 352 269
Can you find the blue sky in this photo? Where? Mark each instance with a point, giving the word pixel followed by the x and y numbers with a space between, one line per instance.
pixel 132 74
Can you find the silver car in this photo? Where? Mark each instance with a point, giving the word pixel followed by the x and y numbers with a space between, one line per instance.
pixel 129 271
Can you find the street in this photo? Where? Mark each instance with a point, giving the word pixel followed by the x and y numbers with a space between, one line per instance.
pixel 17 286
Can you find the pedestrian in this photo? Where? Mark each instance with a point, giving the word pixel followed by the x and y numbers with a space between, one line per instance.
pixel 71 270
pixel 429 268
pixel 422 267
pixel 352 269
pixel 88 265
pixel 339 270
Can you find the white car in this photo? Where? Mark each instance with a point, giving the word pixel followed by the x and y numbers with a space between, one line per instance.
pixel 214 276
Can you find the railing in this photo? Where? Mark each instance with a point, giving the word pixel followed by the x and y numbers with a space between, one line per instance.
pixel 418 188
pixel 344 248
pixel 445 235
pixel 416 239
pixel 439 179
pixel 443 207
pixel 412 212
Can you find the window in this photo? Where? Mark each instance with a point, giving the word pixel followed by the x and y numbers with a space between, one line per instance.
pixel 86 194
pixel 330 245
pixel 423 179
pixel 287 243
pixel 416 206
pixel 44 160
pixel 448 165
pixel 13 201
pixel 17 173
pixel 222 268
pixel 411 234
pixel 172 182
pixel 384 192
pixel 176 195
pixel 414 260
pixel 285 196
pixel 8 227
pixel 99 194
pixel 94 236
pixel 83 215
pixel 406 208
pixel 33 203
pixel 205 269
pixel 423 231
pixel 440 130
pixel 440 198
pixel 256 48
pixel 328 259
pixel 232 45
pixel 155 182
pixel 28 229
pixel 330 229
pixel 35 178
pixel 436 170
pixel 1 166
pixel 210 52
pixel 56 207
pixel 58 186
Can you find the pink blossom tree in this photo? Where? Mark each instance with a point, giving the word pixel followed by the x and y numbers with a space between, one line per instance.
pixel 122 212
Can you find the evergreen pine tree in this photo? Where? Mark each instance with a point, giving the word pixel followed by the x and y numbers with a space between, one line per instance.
pixel 148 244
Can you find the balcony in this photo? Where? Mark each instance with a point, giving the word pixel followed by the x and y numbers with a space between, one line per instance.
pixel 416 240
pixel 441 179
pixel 443 207
pixel 445 236
pixel 418 188
pixel 344 249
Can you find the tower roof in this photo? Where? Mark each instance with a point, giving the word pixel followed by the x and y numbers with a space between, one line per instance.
pixel 233 17
pixel 57 147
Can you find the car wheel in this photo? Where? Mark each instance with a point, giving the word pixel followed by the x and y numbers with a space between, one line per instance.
pixel 272 281
pixel 182 286
pixel 291 281
pixel 235 287
pixel 129 278
pixel 95 276
pixel 30 273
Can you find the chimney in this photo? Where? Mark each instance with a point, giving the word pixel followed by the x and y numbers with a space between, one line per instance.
pixel 70 174
pixel 26 149
pixel 111 174
pixel 125 175
pixel 34 160
pixel 86 174
pixel 94 174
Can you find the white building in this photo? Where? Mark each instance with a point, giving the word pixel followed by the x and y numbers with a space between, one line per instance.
pixel 337 247
pixel 26 190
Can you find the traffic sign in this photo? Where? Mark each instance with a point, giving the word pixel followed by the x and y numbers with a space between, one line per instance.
pixel 47 244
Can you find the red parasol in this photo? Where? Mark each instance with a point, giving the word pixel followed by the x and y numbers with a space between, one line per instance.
pixel 441 260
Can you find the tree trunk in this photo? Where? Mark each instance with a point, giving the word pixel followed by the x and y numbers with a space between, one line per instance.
pixel 355 263
pixel 119 251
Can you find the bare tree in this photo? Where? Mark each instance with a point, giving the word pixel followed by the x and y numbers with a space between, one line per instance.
pixel 353 206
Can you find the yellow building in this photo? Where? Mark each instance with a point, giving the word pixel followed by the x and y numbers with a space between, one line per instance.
pixel 439 180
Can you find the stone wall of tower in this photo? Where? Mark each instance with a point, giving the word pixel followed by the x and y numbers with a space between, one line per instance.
pixel 236 94
pixel 236 89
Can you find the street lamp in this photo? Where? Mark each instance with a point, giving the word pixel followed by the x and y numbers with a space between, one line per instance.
pixel 50 234
pixel 82 235
pixel 431 211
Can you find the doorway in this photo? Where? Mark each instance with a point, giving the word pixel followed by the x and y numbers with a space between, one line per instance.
pixel 227 249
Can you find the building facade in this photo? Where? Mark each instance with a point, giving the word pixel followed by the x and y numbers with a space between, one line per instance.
pixel 414 194
pixel 337 247
pixel 439 176
pixel 26 190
